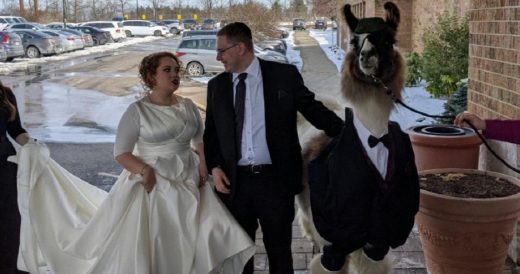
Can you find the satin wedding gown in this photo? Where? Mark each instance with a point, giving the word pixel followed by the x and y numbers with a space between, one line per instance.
pixel 72 227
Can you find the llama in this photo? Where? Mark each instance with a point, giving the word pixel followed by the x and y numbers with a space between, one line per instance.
pixel 354 206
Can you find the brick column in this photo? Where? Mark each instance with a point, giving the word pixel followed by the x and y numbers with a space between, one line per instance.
pixel 494 75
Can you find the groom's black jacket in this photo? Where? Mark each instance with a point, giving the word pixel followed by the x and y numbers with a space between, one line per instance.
pixel 284 96
pixel 352 204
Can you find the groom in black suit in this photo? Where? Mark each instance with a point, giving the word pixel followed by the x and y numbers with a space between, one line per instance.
pixel 251 140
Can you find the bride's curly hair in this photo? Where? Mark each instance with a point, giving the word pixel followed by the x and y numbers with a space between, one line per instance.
pixel 5 104
pixel 149 65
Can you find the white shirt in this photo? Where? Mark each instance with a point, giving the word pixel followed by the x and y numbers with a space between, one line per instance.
pixel 254 142
pixel 377 154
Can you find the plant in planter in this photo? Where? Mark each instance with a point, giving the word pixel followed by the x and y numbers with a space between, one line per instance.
pixel 466 219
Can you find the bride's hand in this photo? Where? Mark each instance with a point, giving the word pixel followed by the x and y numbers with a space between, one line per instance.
pixel 203 174
pixel 148 181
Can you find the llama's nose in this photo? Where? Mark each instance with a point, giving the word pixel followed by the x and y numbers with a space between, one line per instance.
pixel 363 56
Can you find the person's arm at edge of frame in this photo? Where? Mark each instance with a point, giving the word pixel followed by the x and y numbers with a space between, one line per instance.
pixel 502 130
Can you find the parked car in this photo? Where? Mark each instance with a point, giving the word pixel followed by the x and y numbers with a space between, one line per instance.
pixel 99 36
pixel 33 26
pixel 190 33
pixel 208 24
pixel 7 19
pixel 3 55
pixel 198 55
pixel 74 40
pixel 270 55
pixel 115 28
pixel 143 28
pixel 61 44
pixel 284 32
pixel 276 45
pixel 36 43
pixel 60 25
pixel 175 26
pixel 298 24
pixel 12 44
pixel 189 24
pixel 320 24
pixel 85 38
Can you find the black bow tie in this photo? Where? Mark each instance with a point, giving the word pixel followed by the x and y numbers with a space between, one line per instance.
pixel 373 141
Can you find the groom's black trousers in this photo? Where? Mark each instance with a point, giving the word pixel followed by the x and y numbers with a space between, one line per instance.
pixel 261 198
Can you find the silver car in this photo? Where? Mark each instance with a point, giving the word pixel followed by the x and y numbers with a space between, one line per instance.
pixel 198 55
pixel 12 44
pixel 36 43
pixel 60 39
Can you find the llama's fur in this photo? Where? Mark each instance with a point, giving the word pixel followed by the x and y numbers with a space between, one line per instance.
pixel 372 105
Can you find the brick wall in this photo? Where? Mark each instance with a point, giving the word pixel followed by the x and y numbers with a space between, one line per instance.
pixel 425 12
pixel 494 77
pixel 416 16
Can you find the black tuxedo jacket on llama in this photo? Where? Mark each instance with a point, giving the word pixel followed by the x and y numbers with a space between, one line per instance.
pixel 284 95
pixel 352 204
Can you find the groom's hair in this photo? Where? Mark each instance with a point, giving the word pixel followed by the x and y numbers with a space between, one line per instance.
pixel 237 32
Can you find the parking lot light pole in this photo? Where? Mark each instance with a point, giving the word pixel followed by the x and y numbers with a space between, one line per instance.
pixel 137 9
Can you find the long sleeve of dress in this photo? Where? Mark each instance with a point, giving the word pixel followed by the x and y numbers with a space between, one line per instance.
pixel 127 131
pixel 503 130
pixel 197 138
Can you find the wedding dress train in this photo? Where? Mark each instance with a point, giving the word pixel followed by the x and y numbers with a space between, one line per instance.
pixel 70 226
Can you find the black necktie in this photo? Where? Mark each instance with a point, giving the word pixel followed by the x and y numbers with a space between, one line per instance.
pixel 373 141
pixel 240 98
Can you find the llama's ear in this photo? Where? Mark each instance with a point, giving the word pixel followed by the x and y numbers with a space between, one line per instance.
pixel 351 19
pixel 392 15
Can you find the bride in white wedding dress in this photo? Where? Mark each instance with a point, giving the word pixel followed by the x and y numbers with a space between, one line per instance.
pixel 160 217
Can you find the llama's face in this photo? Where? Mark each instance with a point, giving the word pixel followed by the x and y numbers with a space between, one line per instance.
pixel 372 50
pixel 373 41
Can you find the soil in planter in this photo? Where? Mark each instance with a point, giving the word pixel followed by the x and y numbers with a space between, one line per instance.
pixel 467 185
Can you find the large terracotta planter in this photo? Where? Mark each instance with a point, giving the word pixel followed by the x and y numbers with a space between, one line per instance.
pixel 466 235
pixel 444 146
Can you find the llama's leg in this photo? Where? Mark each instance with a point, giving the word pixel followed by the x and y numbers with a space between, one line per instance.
pixel 362 264
pixel 315 266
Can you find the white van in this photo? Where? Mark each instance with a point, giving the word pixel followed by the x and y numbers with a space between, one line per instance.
pixel 143 28
pixel 115 28
pixel 8 19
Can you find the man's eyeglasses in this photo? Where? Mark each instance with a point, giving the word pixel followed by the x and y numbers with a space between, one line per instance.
pixel 220 51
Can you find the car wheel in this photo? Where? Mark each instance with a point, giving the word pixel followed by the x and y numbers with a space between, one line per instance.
pixel 195 69
pixel 157 33
pixel 128 33
pixel 95 41
pixel 9 59
pixel 32 52
pixel 174 31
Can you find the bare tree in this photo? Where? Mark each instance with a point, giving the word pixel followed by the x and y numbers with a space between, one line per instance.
pixel 123 3
pixel 207 5
pixel 154 3
pixel 326 8
pixel 22 7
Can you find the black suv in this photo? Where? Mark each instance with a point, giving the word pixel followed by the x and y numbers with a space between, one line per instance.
pixel 298 24
pixel 320 24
